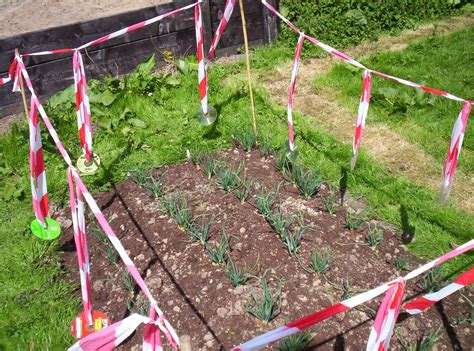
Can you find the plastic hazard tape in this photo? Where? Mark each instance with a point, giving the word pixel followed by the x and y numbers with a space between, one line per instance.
pixel 83 109
pixel 294 74
pixel 387 315
pixel 82 100
pixel 422 303
pixel 454 150
pixel 11 72
pixel 112 336
pixel 80 239
pixel 459 128
pixel 296 326
pixel 160 320
pixel 229 8
pixel 115 34
pixel 361 116
pixel 202 70
pixel 39 189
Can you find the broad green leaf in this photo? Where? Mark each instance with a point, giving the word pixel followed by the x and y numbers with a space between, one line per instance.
pixel 137 123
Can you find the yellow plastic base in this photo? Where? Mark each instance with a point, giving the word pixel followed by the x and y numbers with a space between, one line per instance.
pixel 88 168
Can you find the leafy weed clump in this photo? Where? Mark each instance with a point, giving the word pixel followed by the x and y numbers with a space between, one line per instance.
pixel 265 148
pixel 151 183
pixel 295 342
pixel 178 209
pixel 402 265
pixel 374 236
pixel 195 156
pixel 426 343
pixel 127 281
pixel 292 240
pixel 265 202
pixel 330 201
pixel 353 223
pixel 244 190
pixel 320 261
pixel 280 222
pixel 246 138
pixel 237 276
pixel 202 234
pixel 432 280
pixel 268 305
pixel 308 182
pixel 218 253
pixel 228 178
pixel 209 166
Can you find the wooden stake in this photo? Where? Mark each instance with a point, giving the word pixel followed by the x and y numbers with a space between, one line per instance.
pixel 247 56
pixel 23 95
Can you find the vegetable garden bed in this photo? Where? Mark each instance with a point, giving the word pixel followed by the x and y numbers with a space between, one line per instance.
pixel 162 218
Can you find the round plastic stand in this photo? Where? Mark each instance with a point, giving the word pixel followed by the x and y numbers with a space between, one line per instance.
pixel 207 119
pixel 88 167
pixel 80 328
pixel 291 155
pixel 52 230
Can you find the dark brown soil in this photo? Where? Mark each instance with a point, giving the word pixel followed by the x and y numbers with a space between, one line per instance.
pixel 195 293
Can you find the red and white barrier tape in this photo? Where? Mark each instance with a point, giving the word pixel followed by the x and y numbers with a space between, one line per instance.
pixel 11 72
pixel 202 70
pixel 361 116
pixel 116 34
pixel 39 189
pixel 459 128
pixel 296 326
pixel 294 75
pixel 419 86
pixel 454 150
pixel 323 46
pixel 109 338
pixel 22 70
pixel 229 8
pixel 422 303
pixel 162 322
pixel 82 105
pixel 151 335
pixel 387 315
pixel 82 101
pixel 80 239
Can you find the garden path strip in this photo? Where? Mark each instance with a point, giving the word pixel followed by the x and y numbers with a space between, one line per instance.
pixel 195 293
pixel 384 144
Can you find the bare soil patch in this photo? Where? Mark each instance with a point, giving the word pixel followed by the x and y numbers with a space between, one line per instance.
pixel 22 16
pixel 195 293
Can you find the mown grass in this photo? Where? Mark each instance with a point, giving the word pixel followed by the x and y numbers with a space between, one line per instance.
pixel 157 128
pixel 423 119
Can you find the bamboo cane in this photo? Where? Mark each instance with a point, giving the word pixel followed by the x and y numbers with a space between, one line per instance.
pixel 247 56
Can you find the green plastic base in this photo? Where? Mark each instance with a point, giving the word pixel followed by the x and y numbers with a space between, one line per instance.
pixel 291 155
pixel 207 119
pixel 88 168
pixel 51 232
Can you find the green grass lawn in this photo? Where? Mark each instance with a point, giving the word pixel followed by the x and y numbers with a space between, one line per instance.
pixel 147 121
pixel 440 62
